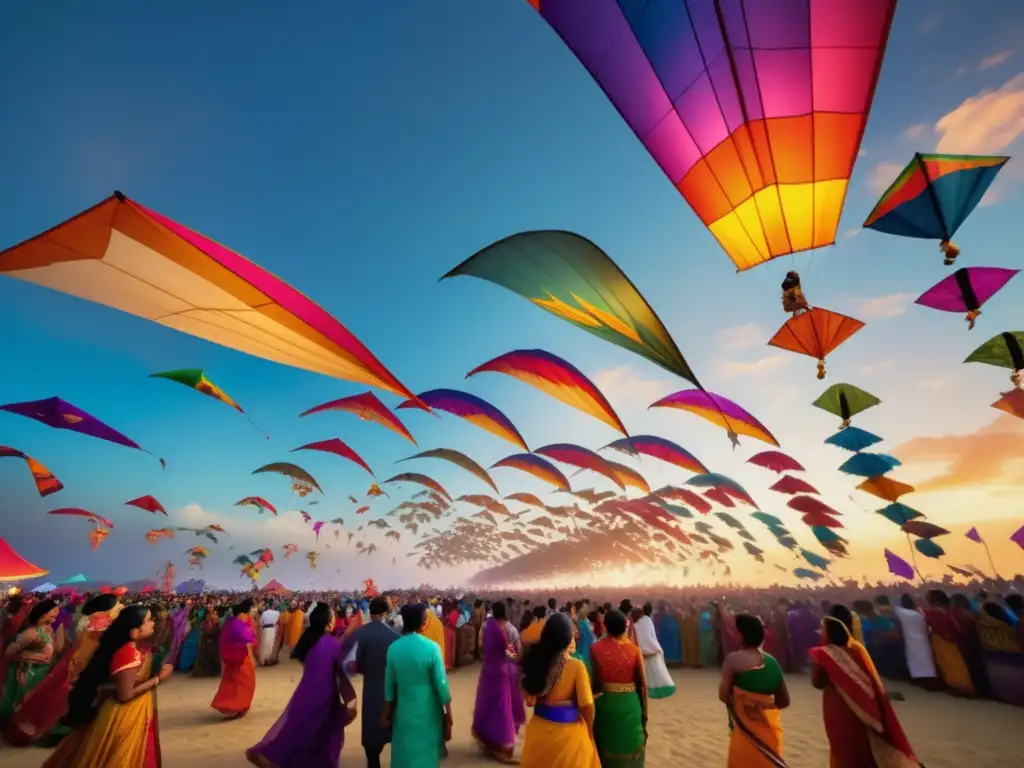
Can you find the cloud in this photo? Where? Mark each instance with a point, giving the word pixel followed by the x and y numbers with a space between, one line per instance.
pixel 990 62
pixel 741 336
pixel 986 123
pixel 932 385
pixel 759 367
pixel 881 307
pixel 625 385
pixel 990 456
pixel 853 232
pixel 882 175
pixel 876 368
pixel 915 131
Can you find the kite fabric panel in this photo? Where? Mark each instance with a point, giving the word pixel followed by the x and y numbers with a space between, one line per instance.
pixel 815 333
pixel 534 465
pixel 13 567
pixel 582 458
pixel 60 414
pixel 754 111
pixel 125 256
pixel 658 448
pixel 1011 402
pixel 46 482
pixel 1005 350
pixel 338 448
pixel 846 401
pixel 572 278
pixel 934 195
pixel 460 460
pixel 966 290
pixel 720 411
pixel 368 407
pixel 473 409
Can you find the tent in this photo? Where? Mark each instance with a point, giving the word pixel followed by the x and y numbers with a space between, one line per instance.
pixel 13 567
pixel 191 587
pixel 274 587
pixel 79 578
pixel 44 588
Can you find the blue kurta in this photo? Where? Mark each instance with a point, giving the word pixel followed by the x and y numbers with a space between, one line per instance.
pixel 415 681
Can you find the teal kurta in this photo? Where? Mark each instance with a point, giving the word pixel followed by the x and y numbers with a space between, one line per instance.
pixel 415 681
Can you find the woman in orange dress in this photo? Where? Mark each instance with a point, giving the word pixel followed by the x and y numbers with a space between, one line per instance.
pixel 237 664
pixel 862 727
pixel 112 706
pixel 620 687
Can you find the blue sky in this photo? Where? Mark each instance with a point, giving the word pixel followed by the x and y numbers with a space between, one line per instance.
pixel 359 152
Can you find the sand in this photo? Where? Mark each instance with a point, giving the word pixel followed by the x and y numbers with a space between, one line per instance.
pixel 688 729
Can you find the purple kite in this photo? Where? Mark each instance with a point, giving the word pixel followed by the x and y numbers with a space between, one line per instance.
pixel 898 566
pixel 59 414
pixel 720 411
pixel 966 290
pixel 1018 537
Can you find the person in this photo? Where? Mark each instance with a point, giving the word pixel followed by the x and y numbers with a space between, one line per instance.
pixel 659 680
pixel 112 706
pixel 689 629
pixel 372 642
pixel 417 701
pixel 584 633
pixel 434 630
pixel 449 618
pixel 190 646
pixel 887 650
pixel 668 630
pixel 268 635
pixel 238 665
pixel 531 634
pixel 311 731
pixel 862 728
pixel 15 615
pixel 561 732
pixel 179 631
pixel 969 642
pixel 803 628
pixel 27 660
pixel 37 716
pixel 753 689
pixel 945 630
pixel 619 683
pixel 494 724
pixel 707 635
pixel 916 644
pixel 208 657
pixel 296 622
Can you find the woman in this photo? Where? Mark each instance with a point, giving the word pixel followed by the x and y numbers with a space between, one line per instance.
pixel 561 732
pixel 969 642
pixel 862 728
pixel 584 634
pixel 28 659
pixel 945 629
pixel 668 630
pixel 706 633
pixel 660 681
pixel 917 645
pixel 112 706
pixel 689 627
pixel 15 615
pixel 238 664
pixel 207 662
pixel 179 631
pixel 449 618
pixel 620 686
pixel 37 717
pixel 754 691
pixel 310 733
pixel 494 726
pixel 190 646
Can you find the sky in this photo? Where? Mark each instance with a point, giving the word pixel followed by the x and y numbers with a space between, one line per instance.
pixel 359 151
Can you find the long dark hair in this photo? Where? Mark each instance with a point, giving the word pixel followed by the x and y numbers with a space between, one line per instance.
pixel 39 610
pixel 82 698
pixel 319 620
pixel 554 639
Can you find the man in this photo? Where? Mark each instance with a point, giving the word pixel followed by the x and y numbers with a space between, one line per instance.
pixel 269 620
pixel 372 643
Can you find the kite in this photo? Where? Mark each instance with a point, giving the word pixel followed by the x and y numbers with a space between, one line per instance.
pixel 810 505
pixel 306 517
pixel 149 504
pixel 13 567
pixel 156 534
pixel 966 290
pixel 426 482
pixel 582 458
pixel 97 536
pixel 58 414
pixel 373 492
pixel 767 519
pixel 196 379
pixel 125 256
pixel 869 464
pixel 815 559
pixel 815 333
pixel 572 278
pixel 923 529
pixel 259 503
pixel 1018 537
pixel 459 459
pixel 761 144
pixel 898 566
pixel 730 486
pixel 1011 402
pixel 933 196
pixel 1004 351
pixel 536 466
pixel 776 461
pixel 846 401
pixel 338 448
pixel 719 411
pixel 885 488
pixel 853 439
pixel 829 539
pixel 790 485
pixel 316 528
pixel 929 548
pixel 556 377
pixel 900 514
pixel 76 512
pixel 473 409
pixel 368 407
pixel 526 498
pixel 302 482
pixel 629 476
pixel 46 483
pixel 362 510
pixel 658 448
pixel 806 573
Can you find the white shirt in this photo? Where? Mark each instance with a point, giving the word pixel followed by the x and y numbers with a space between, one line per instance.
pixel 269 618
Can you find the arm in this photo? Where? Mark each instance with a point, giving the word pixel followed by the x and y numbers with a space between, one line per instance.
pixel 390 691
pixel 641 690
pixel 725 684
pixel 125 688
pixel 585 697
pixel 819 678
pixel 782 696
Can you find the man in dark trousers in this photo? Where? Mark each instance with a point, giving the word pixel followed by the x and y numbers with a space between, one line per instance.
pixel 371 656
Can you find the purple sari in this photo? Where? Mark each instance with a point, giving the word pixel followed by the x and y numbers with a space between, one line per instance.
pixel 494 725
pixel 311 731
pixel 804 634
pixel 179 631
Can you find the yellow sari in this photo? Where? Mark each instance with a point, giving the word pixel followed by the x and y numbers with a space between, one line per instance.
pixel 434 629
pixel 550 743
pixel 756 740
pixel 121 734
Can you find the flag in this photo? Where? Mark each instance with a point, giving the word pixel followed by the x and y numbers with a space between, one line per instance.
pixel 1018 537
pixel 974 536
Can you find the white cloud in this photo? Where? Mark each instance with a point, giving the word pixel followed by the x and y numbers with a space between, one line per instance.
pixel 882 175
pixel 759 367
pixel 990 62
pixel 915 131
pixel 853 232
pixel 741 336
pixel 986 123
pixel 932 385
pixel 862 152
pixel 876 368
pixel 881 307
pixel 625 385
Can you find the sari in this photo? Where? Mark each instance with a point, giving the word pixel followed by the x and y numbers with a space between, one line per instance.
pixel 22 672
pixel 708 641
pixel 951 663
pixel 666 627
pixel 556 736
pixel 494 726
pixel 450 639
pixel 862 727
pixel 755 722
pixel 310 733
pixel 42 707
pixel 1004 659
pixel 659 681
pixel 208 655
pixel 179 630
pixel 121 734
pixel 969 642
pixel 296 622
pixel 434 630
pixel 803 635
pixel 618 717
pixel 779 631
pixel 690 630
pixel 238 672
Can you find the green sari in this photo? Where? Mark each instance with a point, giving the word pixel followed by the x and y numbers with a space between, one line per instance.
pixel 26 671
pixel 618 714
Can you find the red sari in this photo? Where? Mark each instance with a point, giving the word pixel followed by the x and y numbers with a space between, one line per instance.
pixel 238 672
pixel 862 727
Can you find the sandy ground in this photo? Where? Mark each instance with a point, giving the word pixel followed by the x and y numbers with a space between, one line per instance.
pixel 688 729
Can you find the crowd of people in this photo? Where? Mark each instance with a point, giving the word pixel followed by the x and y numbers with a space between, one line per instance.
pixel 79 672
